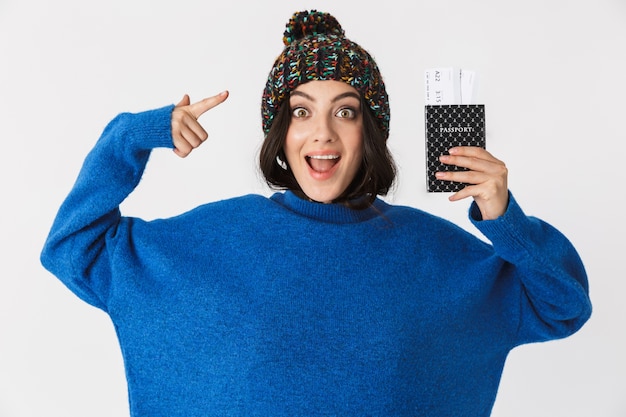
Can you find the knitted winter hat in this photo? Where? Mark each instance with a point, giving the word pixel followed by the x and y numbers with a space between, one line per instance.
pixel 316 49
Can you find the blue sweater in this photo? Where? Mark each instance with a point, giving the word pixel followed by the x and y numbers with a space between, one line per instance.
pixel 278 306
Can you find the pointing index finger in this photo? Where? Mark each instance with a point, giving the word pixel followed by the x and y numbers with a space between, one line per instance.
pixel 198 108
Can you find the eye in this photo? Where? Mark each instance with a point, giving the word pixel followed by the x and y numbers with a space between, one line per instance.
pixel 346 113
pixel 299 112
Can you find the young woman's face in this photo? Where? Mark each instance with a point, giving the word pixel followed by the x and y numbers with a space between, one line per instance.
pixel 324 140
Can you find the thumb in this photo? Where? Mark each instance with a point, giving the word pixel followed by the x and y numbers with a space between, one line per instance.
pixel 184 102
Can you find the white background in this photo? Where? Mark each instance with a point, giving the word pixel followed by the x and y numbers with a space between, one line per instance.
pixel 552 77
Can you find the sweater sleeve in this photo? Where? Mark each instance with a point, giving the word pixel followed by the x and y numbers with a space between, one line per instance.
pixel 554 298
pixel 76 248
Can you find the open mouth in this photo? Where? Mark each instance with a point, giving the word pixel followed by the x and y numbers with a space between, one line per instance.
pixel 322 163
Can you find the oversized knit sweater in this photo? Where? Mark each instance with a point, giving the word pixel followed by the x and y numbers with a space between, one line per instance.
pixel 278 306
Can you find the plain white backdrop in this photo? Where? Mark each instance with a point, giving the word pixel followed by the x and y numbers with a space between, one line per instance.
pixel 551 78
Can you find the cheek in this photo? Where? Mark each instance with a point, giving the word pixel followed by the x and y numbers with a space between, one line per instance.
pixel 358 161
pixel 359 152
pixel 292 147
pixel 356 148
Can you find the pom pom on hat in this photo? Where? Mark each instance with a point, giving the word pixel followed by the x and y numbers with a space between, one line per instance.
pixel 316 49
pixel 303 24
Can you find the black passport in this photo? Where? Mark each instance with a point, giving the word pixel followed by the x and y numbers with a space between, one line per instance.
pixel 448 126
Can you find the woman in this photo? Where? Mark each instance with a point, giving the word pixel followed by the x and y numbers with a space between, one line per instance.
pixel 323 299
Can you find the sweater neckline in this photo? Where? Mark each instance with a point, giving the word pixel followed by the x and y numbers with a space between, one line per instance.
pixel 328 213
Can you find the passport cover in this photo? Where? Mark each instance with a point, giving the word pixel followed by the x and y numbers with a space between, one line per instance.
pixel 448 126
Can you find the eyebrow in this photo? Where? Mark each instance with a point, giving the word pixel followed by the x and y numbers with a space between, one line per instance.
pixel 337 98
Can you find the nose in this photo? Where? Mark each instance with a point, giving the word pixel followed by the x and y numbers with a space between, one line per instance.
pixel 324 130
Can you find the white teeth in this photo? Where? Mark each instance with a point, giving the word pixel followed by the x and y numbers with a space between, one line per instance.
pixel 324 156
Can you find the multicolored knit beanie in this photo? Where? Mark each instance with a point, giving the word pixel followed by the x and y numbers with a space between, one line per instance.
pixel 316 49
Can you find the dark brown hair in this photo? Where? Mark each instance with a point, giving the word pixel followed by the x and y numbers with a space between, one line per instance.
pixel 375 176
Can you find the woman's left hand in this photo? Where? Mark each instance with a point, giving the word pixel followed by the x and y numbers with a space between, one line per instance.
pixel 486 176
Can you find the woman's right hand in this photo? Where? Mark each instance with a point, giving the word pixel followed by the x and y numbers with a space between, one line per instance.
pixel 187 133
